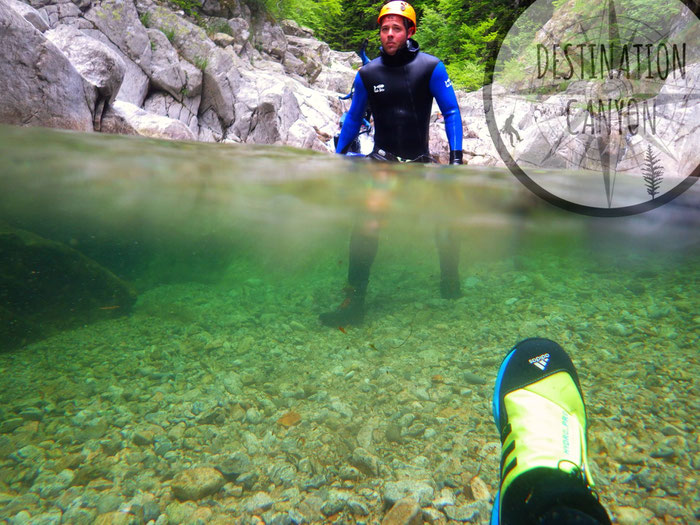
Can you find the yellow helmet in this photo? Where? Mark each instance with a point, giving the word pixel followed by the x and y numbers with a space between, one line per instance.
pixel 403 9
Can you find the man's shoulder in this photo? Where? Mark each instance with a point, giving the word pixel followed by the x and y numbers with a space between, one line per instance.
pixel 372 64
pixel 427 58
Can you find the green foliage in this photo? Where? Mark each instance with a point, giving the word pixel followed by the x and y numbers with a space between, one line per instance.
pixel 201 63
pixel 219 27
pixel 461 33
pixel 190 7
pixel 145 19
pixel 169 33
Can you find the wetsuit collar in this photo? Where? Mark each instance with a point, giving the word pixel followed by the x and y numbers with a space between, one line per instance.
pixel 403 56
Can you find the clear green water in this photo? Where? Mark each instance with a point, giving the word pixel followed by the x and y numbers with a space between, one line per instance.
pixel 234 251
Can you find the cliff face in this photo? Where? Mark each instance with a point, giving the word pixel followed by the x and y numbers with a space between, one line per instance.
pixel 139 67
pixel 229 75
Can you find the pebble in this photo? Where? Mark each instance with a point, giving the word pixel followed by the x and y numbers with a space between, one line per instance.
pixel 420 491
pixel 196 483
pixel 253 416
pixel 464 514
pixel 393 433
pixel 633 516
pixel 259 502
pixel 177 512
pixel 365 461
pixel 445 498
pixel 664 506
pixel 357 508
pixel 334 504
pixel 234 465
pixel 32 414
pixel 349 473
pixel 473 379
pixel 107 502
pixel 618 329
pixel 405 511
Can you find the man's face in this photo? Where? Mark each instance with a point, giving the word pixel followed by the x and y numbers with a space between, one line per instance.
pixel 393 33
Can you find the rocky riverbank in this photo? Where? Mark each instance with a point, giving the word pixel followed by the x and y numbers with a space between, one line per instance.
pixel 141 67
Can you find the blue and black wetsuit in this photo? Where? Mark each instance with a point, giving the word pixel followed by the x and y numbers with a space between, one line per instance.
pixel 400 89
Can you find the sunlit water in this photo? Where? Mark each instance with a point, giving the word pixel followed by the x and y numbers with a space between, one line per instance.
pixel 234 251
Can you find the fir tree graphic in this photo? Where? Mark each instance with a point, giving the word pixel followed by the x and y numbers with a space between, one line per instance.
pixel 653 173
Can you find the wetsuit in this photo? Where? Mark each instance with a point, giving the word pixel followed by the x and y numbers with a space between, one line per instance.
pixel 399 90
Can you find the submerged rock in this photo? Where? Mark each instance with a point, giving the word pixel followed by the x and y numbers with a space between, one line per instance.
pixel 196 483
pixel 47 286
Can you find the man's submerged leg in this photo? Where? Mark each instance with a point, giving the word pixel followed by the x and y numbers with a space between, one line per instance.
pixel 539 411
pixel 448 251
pixel 364 244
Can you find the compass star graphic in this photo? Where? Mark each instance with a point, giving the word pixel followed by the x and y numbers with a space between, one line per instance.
pixel 591 91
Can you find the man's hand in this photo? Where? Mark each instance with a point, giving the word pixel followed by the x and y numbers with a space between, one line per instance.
pixel 456 157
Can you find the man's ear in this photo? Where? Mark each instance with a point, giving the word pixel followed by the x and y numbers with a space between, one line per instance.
pixel 411 32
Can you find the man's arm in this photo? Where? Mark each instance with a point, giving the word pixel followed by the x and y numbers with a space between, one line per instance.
pixel 353 121
pixel 444 93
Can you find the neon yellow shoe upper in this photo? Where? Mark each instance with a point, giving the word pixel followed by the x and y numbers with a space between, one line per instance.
pixel 546 427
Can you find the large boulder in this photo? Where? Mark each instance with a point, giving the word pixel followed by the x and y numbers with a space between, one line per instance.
pixel 39 85
pixel 271 39
pixel 47 286
pixel 166 72
pixel 185 111
pixel 119 21
pixel 96 62
pixel 31 15
pixel 124 118
pixel 269 112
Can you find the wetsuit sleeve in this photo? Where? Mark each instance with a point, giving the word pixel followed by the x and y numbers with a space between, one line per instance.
pixel 444 93
pixel 353 121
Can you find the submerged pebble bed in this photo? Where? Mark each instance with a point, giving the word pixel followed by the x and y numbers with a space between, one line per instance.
pixel 232 404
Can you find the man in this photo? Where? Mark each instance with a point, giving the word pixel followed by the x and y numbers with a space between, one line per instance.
pixel 399 87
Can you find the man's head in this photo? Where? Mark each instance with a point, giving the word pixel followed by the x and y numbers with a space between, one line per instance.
pixel 397 23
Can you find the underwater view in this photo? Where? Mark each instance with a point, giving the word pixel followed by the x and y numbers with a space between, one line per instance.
pixel 162 359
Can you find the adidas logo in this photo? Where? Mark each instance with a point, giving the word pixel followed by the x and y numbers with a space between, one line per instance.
pixel 541 361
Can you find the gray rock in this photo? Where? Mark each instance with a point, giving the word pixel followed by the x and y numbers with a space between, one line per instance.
pixel 365 461
pixel 260 502
pixel 196 483
pixel 119 22
pixel 282 473
pixel 465 514
pixel 165 71
pixel 253 416
pixel 127 119
pixel 291 28
pixel 404 512
pixel 662 507
pixel 39 85
pixel 80 516
pixel 315 483
pixel 223 39
pixel 97 63
pixel 271 39
pixel 190 40
pixel 165 105
pixel 473 379
pixel 334 504
pixel 240 30
pixel 421 491
pixel 357 508
pixel 234 465
pixel 38 19
pixel 135 82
